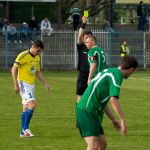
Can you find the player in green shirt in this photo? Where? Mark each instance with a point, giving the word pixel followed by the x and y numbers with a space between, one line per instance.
pixel 104 87
pixel 96 57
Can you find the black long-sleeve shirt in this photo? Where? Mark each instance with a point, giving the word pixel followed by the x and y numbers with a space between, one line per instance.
pixel 83 65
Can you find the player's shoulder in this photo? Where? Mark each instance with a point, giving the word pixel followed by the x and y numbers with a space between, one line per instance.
pixel 23 54
pixel 37 57
pixel 115 71
pixel 97 49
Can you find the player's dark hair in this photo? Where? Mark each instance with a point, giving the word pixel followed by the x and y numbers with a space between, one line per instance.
pixel 87 31
pixel 38 43
pixel 141 2
pixel 128 62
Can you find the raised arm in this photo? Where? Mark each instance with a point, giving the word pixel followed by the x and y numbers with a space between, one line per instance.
pixel 79 38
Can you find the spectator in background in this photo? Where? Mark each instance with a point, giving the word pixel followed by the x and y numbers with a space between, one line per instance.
pixel 33 24
pixel 5 25
pixel 33 27
pixel 75 12
pixel 140 15
pixel 148 19
pixel 1 24
pixel 124 49
pixel 5 22
pixel 149 24
pixel 24 32
pixel 12 33
pixel 46 28
pixel 107 27
pixel 4 29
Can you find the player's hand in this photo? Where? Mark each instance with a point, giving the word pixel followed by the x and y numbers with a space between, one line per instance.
pixel 84 19
pixel 16 89
pixel 116 125
pixel 123 127
pixel 47 86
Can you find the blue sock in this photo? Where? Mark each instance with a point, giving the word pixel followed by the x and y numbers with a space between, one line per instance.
pixel 22 119
pixel 28 116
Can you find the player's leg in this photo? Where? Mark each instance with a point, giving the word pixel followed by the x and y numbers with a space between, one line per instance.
pixel 23 115
pixel 23 120
pixel 81 85
pixel 96 143
pixel 92 142
pixel 102 143
pixel 90 129
pixel 28 113
pixel 29 104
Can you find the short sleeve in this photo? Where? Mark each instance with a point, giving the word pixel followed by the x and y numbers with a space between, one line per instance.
pixel 92 56
pixel 115 82
pixel 20 60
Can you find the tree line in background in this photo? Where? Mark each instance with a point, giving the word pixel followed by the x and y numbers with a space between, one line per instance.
pixel 101 9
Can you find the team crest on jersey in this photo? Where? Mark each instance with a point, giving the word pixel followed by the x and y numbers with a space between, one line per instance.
pixel 33 69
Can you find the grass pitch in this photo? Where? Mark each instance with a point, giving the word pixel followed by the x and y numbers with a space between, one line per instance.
pixel 53 122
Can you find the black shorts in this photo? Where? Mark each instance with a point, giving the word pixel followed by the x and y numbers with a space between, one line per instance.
pixel 82 83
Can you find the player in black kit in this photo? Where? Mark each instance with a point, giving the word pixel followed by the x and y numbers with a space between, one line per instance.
pixel 83 65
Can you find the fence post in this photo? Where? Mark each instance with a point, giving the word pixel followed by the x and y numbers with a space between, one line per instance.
pixel 75 49
pixel 6 48
pixel 144 50
pixel 42 52
pixel 109 48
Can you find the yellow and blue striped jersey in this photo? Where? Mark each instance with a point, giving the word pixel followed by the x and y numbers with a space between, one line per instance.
pixel 27 66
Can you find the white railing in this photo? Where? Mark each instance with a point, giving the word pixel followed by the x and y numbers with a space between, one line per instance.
pixel 60 48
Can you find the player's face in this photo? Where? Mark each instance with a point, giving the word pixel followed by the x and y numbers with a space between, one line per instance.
pixel 37 50
pixel 125 42
pixel 128 73
pixel 89 43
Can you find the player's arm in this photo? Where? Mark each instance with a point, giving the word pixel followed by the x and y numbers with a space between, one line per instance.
pixel 80 34
pixel 117 108
pixel 91 71
pixel 42 79
pixel 14 72
pixel 110 115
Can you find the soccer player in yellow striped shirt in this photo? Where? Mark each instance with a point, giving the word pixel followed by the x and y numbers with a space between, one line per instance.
pixel 24 71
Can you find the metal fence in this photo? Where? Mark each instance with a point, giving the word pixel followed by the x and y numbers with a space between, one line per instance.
pixel 60 48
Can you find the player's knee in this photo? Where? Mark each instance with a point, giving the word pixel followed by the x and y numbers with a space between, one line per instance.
pixel 93 144
pixel 103 144
pixel 32 104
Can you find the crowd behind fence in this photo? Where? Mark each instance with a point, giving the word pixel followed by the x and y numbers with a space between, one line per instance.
pixel 60 48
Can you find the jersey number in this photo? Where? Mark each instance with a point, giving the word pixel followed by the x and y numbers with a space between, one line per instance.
pixel 103 57
pixel 30 95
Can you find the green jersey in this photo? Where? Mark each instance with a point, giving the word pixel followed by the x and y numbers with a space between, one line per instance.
pixel 96 54
pixel 106 84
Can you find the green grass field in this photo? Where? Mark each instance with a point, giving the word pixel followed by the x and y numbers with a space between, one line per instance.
pixel 53 122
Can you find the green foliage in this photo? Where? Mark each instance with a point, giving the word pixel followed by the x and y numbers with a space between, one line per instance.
pixel 21 11
pixel 1 9
pixel 53 122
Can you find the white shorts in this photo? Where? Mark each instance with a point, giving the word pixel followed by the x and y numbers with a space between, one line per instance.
pixel 26 92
